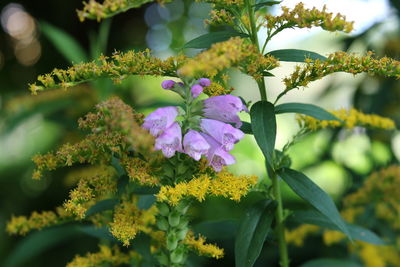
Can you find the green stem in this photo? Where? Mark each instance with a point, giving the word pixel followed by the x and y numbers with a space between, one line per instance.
pixel 254 39
pixel 280 227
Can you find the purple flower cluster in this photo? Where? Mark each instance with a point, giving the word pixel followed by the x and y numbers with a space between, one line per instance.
pixel 212 137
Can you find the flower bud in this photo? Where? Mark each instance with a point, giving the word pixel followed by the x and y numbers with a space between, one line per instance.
pixel 181 234
pixel 204 82
pixel 162 223
pixel 177 255
pixel 172 241
pixel 173 218
pixel 162 208
pixel 168 84
pixel 196 90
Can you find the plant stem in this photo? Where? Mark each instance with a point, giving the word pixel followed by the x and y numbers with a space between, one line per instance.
pixel 254 39
pixel 280 227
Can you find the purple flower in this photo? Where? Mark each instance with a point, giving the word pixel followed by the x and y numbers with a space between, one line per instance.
pixel 196 90
pixel 168 84
pixel 217 156
pixel 195 145
pixel 224 133
pixel 160 119
pixel 170 140
pixel 204 82
pixel 224 108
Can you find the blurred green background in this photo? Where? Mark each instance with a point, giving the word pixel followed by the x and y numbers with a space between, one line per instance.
pixel 37 36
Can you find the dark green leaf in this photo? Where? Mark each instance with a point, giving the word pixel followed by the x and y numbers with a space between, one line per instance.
pixel 263 124
pixel 100 233
pixel 206 40
pixel 267 74
pixel 295 55
pixel 313 194
pixel 306 109
pixel 106 204
pixel 37 243
pixel 331 263
pixel 264 4
pixel 356 232
pixel 146 201
pixel 252 232
pixel 64 43
pixel 246 128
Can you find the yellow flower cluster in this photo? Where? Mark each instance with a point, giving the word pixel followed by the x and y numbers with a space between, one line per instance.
pixel 109 8
pixel 224 184
pixel 235 52
pixel 106 255
pixel 382 189
pixel 301 17
pixel 220 17
pixel 89 191
pixel 198 245
pixel 298 235
pixel 117 67
pixel 21 225
pixel 73 176
pixel 331 237
pixel 342 62
pixel 376 256
pixel 125 223
pixel 216 89
pixel 114 128
pixel 350 119
pixel 139 170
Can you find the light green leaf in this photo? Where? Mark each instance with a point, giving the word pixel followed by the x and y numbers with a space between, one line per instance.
pixel 295 55
pixel 314 195
pixel 306 109
pixel 252 232
pixel 206 40
pixel 356 232
pixel 64 43
pixel 331 263
pixel 263 124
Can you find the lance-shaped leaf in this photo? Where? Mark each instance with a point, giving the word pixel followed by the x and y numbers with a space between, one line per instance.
pixel 316 218
pixel 206 40
pixel 106 204
pixel 306 109
pixel 265 4
pixel 65 43
pixel 295 55
pixel 252 232
pixel 246 128
pixel 314 195
pixel 263 124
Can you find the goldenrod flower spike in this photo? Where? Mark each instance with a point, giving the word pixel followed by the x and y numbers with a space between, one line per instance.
pixel 117 67
pixel 225 184
pixel 301 17
pixel 235 52
pixel 342 62
pixel 105 255
pixel 109 8
pixel 350 119
pixel 198 245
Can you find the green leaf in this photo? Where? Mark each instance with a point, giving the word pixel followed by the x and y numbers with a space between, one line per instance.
pixel 252 232
pixel 264 4
pixel 356 232
pixel 306 109
pixel 325 262
pixel 263 124
pixel 310 192
pixel 246 128
pixel 295 55
pixel 106 204
pixel 64 43
pixel 206 40
pixel 37 243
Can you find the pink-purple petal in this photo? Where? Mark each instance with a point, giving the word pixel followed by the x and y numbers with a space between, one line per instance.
pixel 160 119
pixel 195 145
pixel 170 141
pixel 224 133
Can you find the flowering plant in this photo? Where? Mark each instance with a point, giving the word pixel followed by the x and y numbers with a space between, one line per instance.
pixel 177 155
